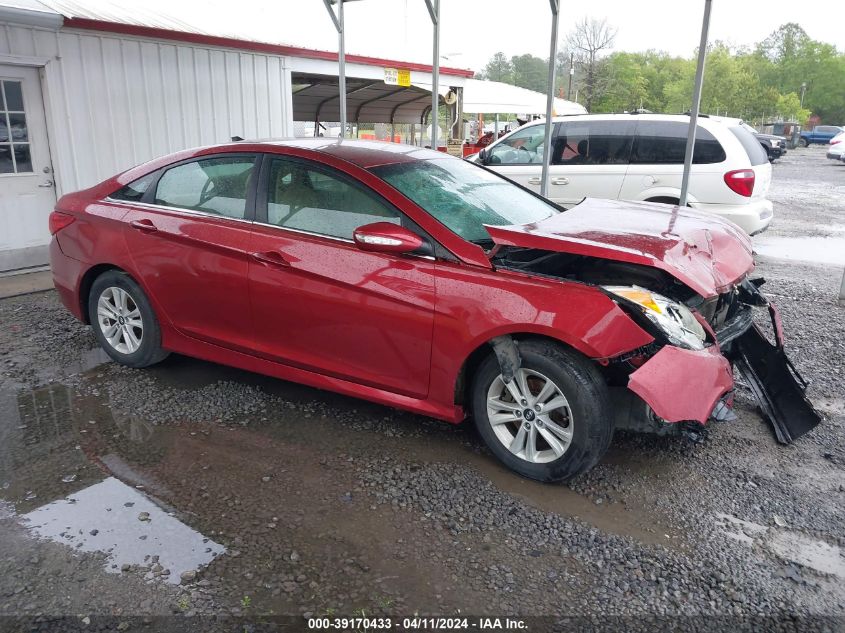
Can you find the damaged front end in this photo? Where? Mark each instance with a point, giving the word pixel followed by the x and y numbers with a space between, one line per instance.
pixel 684 379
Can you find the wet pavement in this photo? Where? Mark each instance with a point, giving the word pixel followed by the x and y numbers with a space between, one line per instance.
pixel 192 490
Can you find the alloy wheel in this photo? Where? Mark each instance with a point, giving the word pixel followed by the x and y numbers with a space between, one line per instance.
pixel 119 318
pixel 530 416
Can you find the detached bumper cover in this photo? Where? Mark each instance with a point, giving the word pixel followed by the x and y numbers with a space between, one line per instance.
pixel 775 382
pixel 681 385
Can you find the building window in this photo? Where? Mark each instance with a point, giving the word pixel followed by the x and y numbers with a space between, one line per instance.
pixel 15 157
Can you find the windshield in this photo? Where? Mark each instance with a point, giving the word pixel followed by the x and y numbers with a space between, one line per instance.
pixel 463 196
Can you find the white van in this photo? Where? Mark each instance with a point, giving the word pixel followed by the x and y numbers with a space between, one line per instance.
pixel 640 157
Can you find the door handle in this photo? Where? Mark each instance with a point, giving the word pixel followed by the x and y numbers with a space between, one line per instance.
pixel 144 225
pixel 535 180
pixel 271 258
pixel 560 180
pixel 47 184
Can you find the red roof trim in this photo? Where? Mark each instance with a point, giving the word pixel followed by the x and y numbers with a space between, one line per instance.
pixel 259 47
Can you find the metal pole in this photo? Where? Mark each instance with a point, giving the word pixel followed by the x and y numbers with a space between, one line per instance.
pixel 571 73
pixel 341 58
pixel 842 291
pixel 434 12
pixel 550 98
pixel 495 128
pixel 696 102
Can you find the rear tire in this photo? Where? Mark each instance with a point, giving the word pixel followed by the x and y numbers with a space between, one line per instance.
pixel 123 320
pixel 566 415
pixel 804 142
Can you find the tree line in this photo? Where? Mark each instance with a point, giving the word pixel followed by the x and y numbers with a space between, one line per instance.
pixel 759 83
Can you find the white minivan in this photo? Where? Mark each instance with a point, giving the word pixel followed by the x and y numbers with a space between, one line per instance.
pixel 640 157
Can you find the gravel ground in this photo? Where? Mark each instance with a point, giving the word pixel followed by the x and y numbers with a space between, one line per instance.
pixel 330 506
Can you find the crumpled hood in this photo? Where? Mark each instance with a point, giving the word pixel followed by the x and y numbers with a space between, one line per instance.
pixel 701 250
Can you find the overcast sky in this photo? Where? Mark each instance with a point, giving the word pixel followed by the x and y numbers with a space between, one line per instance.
pixel 472 30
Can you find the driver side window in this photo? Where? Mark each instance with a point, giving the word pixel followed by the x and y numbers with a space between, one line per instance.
pixel 218 186
pixel 523 147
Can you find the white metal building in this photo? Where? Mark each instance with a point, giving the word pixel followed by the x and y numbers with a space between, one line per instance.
pixel 90 93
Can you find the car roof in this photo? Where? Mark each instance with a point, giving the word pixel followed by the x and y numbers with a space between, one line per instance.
pixel 365 154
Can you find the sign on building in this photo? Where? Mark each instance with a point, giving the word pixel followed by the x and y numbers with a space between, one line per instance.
pixel 397 77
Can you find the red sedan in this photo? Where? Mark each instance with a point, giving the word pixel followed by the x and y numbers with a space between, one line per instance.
pixel 420 281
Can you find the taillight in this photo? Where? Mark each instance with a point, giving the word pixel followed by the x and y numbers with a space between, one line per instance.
pixel 58 221
pixel 834 141
pixel 741 181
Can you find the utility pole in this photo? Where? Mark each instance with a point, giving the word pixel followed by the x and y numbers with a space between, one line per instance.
pixel 803 90
pixel 571 74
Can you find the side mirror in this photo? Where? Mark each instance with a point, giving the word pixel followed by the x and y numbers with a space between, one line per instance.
pixel 483 156
pixel 385 237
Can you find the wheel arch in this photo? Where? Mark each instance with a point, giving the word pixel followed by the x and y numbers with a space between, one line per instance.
pixel 485 349
pixel 87 282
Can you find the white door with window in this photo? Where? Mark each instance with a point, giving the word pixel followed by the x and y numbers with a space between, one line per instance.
pixel 27 192
pixel 519 156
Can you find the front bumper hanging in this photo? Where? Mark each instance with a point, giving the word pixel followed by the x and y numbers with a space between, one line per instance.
pixel 777 385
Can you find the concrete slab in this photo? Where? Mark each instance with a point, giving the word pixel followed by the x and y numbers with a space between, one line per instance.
pixel 25 283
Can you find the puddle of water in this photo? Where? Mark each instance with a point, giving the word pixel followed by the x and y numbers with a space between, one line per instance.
pixel 786 544
pixel 821 250
pixel 104 517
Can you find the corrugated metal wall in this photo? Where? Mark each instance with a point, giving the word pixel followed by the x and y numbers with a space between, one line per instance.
pixel 114 102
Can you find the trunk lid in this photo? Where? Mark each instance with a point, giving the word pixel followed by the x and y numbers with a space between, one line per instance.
pixel 705 252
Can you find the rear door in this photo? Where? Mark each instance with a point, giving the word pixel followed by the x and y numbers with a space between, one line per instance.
pixel 188 233
pixel 589 159
pixel 319 302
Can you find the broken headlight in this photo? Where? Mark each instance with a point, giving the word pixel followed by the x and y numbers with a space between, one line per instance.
pixel 673 319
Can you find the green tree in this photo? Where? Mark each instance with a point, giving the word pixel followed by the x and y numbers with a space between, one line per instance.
pixel 530 72
pixel 498 69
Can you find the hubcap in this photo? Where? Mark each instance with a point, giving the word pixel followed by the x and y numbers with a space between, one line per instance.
pixel 530 416
pixel 120 320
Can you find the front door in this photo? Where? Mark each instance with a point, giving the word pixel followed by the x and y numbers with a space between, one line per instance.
pixel 27 194
pixel 322 304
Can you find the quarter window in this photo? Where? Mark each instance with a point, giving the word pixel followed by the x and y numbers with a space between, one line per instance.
pixel 218 186
pixel 312 200
pixel 523 147
pixel 664 143
pixel 15 155
pixel 134 191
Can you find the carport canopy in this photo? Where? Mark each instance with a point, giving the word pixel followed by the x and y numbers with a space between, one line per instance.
pixel 495 97
pixel 316 98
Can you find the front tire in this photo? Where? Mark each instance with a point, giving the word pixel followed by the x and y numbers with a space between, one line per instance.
pixel 804 142
pixel 552 421
pixel 123 320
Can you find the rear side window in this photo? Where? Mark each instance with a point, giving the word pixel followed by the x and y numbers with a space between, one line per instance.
pixel 664 143
pixel 218 186
pixel 134 191
pixel 756 154
pixel 593 143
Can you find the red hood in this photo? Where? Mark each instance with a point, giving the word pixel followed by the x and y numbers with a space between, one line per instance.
pixel 704 252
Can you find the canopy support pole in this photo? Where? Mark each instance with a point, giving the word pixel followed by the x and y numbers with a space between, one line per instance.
pixel 550 96
pixel 434 12
pixel 341 58
pixel 696 102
